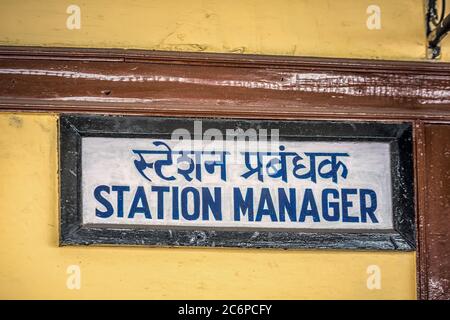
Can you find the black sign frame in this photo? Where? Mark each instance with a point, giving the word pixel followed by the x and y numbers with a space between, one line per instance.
pixel 73 127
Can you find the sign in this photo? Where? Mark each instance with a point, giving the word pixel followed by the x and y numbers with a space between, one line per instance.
pixel 303 185
pixel 237 186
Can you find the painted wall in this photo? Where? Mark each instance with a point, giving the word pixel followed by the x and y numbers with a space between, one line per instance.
pixel 31 263
pixel 284 27
pixel 33 266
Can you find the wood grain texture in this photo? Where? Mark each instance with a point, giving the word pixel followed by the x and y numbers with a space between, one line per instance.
pixel 162 83
pixel 435 215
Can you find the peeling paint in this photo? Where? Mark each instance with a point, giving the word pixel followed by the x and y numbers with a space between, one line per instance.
pixel 15 122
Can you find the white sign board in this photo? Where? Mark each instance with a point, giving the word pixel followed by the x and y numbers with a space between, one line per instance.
pixel 301 185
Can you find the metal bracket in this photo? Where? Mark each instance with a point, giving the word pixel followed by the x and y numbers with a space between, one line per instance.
pixel 437 27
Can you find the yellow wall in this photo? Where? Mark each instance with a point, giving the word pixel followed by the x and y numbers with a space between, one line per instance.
pixel 284 27
pixel 33 266
pixel 31 263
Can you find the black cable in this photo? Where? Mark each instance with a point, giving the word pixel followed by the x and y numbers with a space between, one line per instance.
pixel 441 18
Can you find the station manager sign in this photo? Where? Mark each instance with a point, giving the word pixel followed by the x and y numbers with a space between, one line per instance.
pixel 302 190
pixel 303 185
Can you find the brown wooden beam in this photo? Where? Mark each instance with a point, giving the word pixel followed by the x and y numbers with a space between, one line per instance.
pixel 226 85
